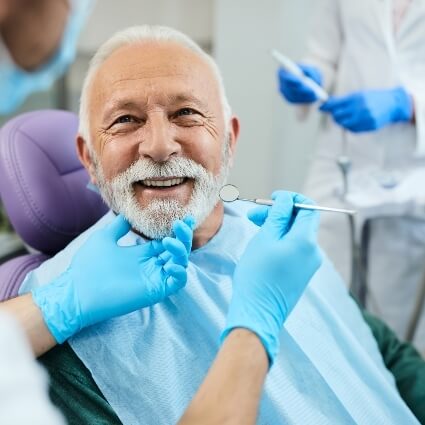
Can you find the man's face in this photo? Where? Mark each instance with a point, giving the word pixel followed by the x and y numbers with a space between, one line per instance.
pixel 160 145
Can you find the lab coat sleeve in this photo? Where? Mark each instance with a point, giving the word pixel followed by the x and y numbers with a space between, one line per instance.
pixel 325 40
pixel 23 384
pixel 324 43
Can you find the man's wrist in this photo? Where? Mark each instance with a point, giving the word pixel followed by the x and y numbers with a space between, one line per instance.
pixel 245 334
pixel 270 344
pixel 246 338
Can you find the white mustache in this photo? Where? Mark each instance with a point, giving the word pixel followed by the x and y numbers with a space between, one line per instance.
pixel 144 169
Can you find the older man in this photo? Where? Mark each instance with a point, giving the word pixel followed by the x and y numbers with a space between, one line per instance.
pixel 158 138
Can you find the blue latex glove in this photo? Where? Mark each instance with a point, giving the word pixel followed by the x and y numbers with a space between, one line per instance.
pixel 275 269
pixel 370 110
pixel 105 280
pixel 293 90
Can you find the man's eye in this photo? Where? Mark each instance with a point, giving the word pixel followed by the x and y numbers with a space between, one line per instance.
pixel 185 111
pixel 124 119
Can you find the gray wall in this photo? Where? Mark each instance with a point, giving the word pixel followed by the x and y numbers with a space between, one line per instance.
pixel 193 17
pixel 274 149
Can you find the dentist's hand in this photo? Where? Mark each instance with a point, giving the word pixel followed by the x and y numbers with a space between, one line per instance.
pixel 371 109
pixel 275 269
pixel 105 280
pixel 293 90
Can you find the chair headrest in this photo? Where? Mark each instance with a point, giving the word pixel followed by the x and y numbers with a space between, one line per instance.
pixel 42 182
pixel 13 272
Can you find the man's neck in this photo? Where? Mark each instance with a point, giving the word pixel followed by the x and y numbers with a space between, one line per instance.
pixel 208 229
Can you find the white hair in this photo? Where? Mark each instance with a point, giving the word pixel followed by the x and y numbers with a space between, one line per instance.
pixel 136 35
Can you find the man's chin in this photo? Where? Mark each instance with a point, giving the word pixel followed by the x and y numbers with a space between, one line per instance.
pixel 152 231
pixel 156 220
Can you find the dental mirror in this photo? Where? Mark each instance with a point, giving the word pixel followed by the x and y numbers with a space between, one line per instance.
pixel 230 193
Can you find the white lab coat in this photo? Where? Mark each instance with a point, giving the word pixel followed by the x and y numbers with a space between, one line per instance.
pixel 353 43
pixel 24 397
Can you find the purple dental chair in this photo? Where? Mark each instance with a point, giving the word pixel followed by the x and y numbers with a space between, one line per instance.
pixel 43 189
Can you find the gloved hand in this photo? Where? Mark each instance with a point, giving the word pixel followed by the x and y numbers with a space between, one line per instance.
pixel 371 109
pixel 274 270
pixel 293 90
pixel 105 280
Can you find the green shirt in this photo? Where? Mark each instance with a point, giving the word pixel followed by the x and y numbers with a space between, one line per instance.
pixel 74 392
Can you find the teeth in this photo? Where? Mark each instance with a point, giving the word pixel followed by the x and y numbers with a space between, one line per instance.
pixel 162 183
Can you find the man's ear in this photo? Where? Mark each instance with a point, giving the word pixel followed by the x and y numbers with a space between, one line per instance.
pixel 85 157
pixel 234 129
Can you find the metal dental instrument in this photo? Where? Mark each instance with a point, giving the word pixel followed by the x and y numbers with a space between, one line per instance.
pixel 230 193
pixel 344 164
pixel 294 69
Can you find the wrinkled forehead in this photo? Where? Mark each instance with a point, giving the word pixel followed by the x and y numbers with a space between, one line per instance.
pixel 155 70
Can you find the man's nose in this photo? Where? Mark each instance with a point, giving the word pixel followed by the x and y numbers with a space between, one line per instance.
pixel 158 141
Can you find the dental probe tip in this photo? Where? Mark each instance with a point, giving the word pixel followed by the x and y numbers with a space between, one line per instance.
pixel 328 209
pixel 307 207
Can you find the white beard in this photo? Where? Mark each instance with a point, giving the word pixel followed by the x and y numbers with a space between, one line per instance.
pixel 156 219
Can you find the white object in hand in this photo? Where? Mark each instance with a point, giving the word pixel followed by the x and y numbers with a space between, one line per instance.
pixel 290 66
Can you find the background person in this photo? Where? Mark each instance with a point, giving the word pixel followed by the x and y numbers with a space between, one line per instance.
pixel 32 59
pixel 370 56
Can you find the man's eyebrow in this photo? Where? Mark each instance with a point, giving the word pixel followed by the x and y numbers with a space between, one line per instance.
pixel 172 99
pixel 184 98
pixel 118 104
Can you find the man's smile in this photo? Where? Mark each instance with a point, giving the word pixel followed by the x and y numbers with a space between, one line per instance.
pixel 164 187
pixel 163 182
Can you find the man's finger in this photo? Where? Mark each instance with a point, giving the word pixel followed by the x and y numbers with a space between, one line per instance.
pixel 301 199
pixel 258 215
pixel 118 228
pixel 305 225
pixel 190 221
pixel 147 250
pixel 177 278
pixel 177 249
pixel 281 214
pixel 184 233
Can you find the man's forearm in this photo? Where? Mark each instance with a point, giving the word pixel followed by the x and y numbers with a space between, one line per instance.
pixel 29 316
pixel 232 389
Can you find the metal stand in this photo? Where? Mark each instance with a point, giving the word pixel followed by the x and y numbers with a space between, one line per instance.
pixel 358 283
pixel 416 315
pixel 344 164
pixel 359 255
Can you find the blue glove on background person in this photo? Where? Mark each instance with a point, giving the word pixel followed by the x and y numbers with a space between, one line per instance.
pixel 371 109
pixel 274 269
pixel 293 90
pixel 105 280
